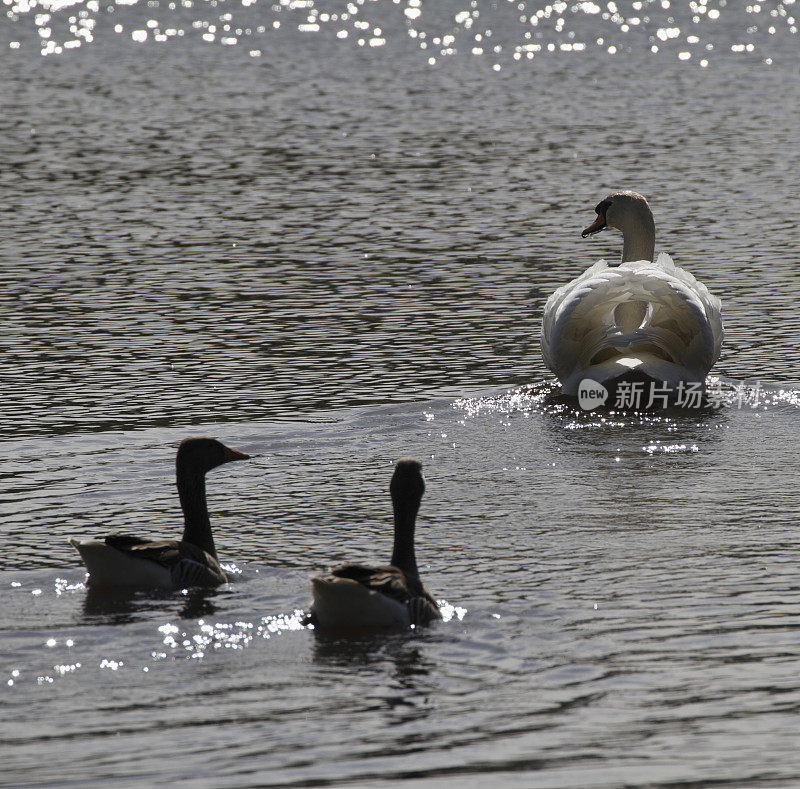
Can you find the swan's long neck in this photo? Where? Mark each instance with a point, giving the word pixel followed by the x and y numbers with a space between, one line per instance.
pixel 197 525
pixel 639 238
pixel 403 553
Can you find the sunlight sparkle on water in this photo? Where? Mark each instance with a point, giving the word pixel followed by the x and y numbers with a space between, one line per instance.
pixel 556 29
pixel 528 398
pixel 669 449
pixel 450 612
pixel 227 635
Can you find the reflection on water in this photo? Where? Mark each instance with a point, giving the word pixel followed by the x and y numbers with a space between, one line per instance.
pixel 119 606
pixel 501 33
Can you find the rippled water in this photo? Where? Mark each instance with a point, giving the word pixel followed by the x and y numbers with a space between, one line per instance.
pixel 331 250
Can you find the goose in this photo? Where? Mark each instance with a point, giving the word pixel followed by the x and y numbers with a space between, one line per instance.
pixel 125 560
pixel 356 596
pixel 642 320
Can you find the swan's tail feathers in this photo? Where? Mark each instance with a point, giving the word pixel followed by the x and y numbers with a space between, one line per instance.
pixel 652 321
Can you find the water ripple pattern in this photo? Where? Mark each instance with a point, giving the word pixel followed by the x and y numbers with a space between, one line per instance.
pixel 610 607
pixel 324 233
pixel 193 235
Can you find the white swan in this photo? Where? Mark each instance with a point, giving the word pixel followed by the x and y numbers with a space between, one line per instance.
pixel 124 560
pixel 355 596
pixel 643 320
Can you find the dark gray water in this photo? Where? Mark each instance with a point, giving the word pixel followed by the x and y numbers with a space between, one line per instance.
pixel 331 250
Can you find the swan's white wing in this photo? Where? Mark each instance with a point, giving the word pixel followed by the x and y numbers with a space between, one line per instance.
pixel 712 305
pixel 655 313
pixel 552 320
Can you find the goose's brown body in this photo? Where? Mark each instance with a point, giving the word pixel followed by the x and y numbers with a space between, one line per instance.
pixel 127 560
pixel 358 595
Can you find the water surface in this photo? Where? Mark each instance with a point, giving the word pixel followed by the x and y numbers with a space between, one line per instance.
pixel 330 251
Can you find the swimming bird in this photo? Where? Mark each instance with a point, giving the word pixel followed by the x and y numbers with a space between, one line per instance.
pixel 643 320
pixel 125 560
pixel 355 596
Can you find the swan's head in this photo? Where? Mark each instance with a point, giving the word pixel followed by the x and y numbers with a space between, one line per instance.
pixel 625 210
pixel 203 454
pixel 407 483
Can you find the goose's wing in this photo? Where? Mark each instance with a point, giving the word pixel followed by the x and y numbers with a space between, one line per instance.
pixel 188 564
pixel 393 583
pixel 387 580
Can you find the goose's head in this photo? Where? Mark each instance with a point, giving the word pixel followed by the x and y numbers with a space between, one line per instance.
pixel 408 484
pixel 628 212
pixel 202 454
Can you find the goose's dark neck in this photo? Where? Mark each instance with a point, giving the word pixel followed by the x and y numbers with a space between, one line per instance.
pixel 197 526
pixel 403 554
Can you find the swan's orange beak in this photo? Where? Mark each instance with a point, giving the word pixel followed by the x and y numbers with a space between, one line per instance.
pixel 596 226
pixel 233 454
